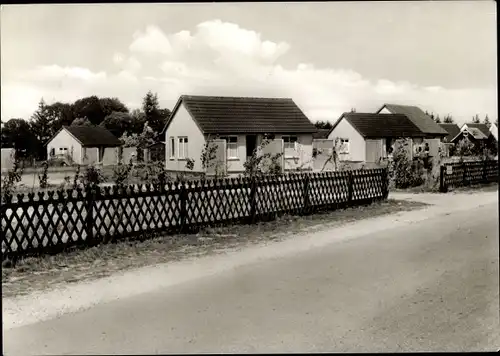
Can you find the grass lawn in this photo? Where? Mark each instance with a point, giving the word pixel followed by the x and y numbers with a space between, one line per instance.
pixel 44 272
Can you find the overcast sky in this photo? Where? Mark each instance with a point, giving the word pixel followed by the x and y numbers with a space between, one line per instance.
pixel 329 57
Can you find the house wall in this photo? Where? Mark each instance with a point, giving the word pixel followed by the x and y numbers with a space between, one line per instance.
pixel 110 156
pixel 128 153
pixel 218 166
pixel 357 146
pixel 385 111
pixel 304 153
pixel 434 144
pixel 494 131
pixel 8 157
pixel 236 164
pixel 182 124
pixel 65 139
pixel 325 150
pixel 303 157
pixel 273 148
pixel 90 155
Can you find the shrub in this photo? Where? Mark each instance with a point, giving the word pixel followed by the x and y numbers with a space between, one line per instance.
pixel 13 176
pixel 403 172
pixel 256 164
pixel 76 177
pixel 121 173
pixel 43 178
pixel 92 178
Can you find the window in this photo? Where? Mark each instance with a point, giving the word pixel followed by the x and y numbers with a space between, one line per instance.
pixel 183 147
pixel 63 149
pixel 231 146
pixel 52 151
pixel 172 147
pixel 344 146
pixel 290 145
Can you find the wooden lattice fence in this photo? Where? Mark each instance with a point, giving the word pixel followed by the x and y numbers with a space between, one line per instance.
pixel 52 221
pixel 455 175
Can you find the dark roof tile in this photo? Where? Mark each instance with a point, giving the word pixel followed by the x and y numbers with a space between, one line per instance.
pixel 93 136
pixel 217 115
pixel 452 129
pixel 423 121
pixel 481 127
pixel 321 134
pixel 371 125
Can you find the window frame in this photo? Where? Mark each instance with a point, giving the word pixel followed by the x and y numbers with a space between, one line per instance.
pixel 172 148
pixel 229 146
pixel 184 142
pixel 345 146
pixel 287 140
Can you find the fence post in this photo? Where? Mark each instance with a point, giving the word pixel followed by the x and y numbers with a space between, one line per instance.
pixel 305 194
pixel 253 200
pixel 485 170
pixel 385 183
pixel 89 223
pixel 442 185
pixel 351 188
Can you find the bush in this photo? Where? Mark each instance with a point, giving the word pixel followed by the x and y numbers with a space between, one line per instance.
pixel 121 173
pixel 13 176
pixel 92 178
pixel 43 178
pixel 403 172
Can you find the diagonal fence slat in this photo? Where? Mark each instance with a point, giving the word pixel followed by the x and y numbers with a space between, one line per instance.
pixel 52 221
pixel 454 175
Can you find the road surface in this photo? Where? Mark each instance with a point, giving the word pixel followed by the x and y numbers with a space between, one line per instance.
pixel 431 285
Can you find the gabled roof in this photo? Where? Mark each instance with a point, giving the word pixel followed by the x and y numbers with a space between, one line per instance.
pixel 472 131
pixel 481 127
pixel 219 115
pixel 93 136
pixel 452 129
pixel 371 125
pixel 423 121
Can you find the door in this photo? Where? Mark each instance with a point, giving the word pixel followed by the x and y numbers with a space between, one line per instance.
pixel 251 144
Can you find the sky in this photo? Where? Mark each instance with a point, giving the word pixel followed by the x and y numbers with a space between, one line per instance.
pixel 329 57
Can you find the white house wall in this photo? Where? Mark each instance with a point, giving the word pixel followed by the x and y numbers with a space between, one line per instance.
pixel 494 131
pixel 385 111
pixel 235 164
pixel 183 125
pixel 357 146
pixel 65 139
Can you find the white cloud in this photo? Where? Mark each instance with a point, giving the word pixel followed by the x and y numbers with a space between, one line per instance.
pixel 118 58
pixel 153 40
pixel 219 58
pixel 55 72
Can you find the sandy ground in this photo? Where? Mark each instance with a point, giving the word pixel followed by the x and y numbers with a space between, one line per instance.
pixel 424 280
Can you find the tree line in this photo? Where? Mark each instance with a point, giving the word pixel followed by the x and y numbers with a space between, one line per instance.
pixel 448 119
pixel 136 127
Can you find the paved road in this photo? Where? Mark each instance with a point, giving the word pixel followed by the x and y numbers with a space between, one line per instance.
pixel 427 286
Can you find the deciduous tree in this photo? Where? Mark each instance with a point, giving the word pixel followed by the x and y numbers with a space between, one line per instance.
pixel 487 121
pixel 17 134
